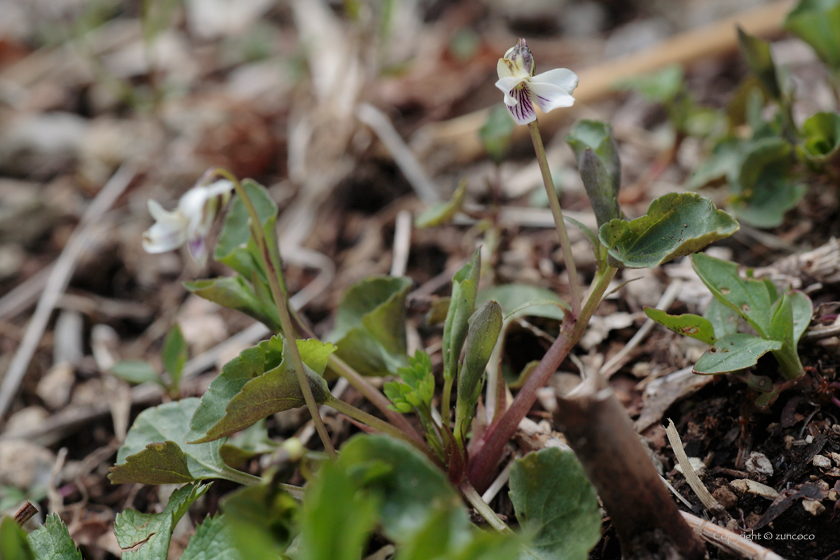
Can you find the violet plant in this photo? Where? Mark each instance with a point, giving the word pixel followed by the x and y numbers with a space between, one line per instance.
pixel 409 486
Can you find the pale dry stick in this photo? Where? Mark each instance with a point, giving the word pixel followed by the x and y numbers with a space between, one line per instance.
pixel 402 243
pixel 59 278
pixel 402 154
pixel 21 297
pixel 616 362
pixel 690 476
pixel 673 490
pixel 727 540
pixel 56 502
pixel 459 136
pixel 499 483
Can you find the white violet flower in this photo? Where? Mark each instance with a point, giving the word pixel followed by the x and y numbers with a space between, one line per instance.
pixel 548 90
pixel 190 222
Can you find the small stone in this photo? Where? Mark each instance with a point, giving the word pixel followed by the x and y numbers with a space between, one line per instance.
pixel 788 442
pixel 836 458
pixel 26 419
pixel 55 387
pixel 739 486
pixel 744 485
pixel 821 461
pixel 725 497
pixel 813 507
pixel 696 464
pixel 809 439
pixel 24 464
pixel 759 464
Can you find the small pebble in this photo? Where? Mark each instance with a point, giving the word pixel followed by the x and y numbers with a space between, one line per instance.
pixel 725 497
pixel 759 464
pixel 813 507
pixel 822 462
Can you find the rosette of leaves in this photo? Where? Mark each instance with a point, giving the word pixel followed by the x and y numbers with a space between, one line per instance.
pixel 779 320
pixel 413 391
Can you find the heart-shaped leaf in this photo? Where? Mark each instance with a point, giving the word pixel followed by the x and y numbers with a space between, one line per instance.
pixel 734 352
pixel 259 380
pixel 232 292
pixel 817 22
pixel 274 391
pixel 52 541
pixel 149 534
pixel 212 539
pixel 554 500
pixel 369 329
pixel 406 485
pixel 723 318
pixel 687 324
pixel 235 247
pixel 749 298
pixel 675 225
pixel 165 426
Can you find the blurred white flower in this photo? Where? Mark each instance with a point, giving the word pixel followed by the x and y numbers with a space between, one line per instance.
pixel 189 223
pixel 548 90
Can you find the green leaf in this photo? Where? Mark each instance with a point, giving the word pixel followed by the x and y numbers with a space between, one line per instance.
pixel 687 324
pixel 174 354
pixel 160 463
pixel 461 307
pixel 723 318
pixel 817 22
pixel 599 165
pixel 757 54
pixel 497 132
pixel 235 247
pixel 416 386
pixel 13 542
pixel 748 298
pixel 775 195
pixel 254 386
pixel 821 135
pixel 675 225
pixel 555 502
pixel 443 538
pixel 369 326
pixel 734 352
pixel 149 534
pixel 232 292
pixel 658 87
pixel 248 443
pixel 522 300
pixel 408 488
pixel 337 519
pixel 485 326
pixel 723 163
pixel 262 519
pixel 165 424
pixel 52 541
pixel 784 328
pixel 803 308
pixel 597 248
pixel 275 391
pixel 443 212
pixel 212 541
pixel 756 158
pixel 135 371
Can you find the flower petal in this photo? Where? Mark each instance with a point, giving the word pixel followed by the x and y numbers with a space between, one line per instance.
pixel 164 236
pixel 509 69
pixel 523 110
pixel 507 85
pixel 553 89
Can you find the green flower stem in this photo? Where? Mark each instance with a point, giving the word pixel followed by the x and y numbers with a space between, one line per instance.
pixel 789 364
pixel 278 292
pixel 557 212
pixel 485 510
pixel 239 477
pixel 376 398
pixel 377 424
pixel 489 450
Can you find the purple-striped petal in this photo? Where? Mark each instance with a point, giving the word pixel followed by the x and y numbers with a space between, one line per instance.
pixel 523 111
